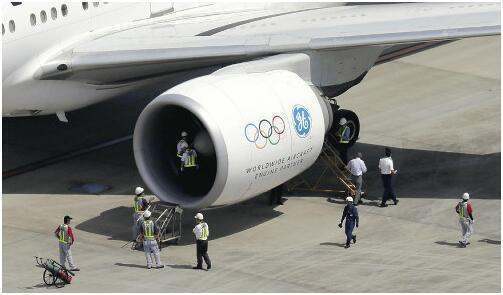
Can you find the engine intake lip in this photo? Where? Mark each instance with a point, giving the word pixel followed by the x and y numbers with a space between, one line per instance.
pixel 143 135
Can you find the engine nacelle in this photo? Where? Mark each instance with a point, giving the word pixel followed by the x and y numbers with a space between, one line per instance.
pixel 251 132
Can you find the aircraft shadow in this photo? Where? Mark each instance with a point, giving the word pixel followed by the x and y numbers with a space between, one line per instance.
pixel 116 222
pixel 423 174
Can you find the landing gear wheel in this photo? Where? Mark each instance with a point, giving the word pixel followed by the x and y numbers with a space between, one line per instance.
pixel 352 122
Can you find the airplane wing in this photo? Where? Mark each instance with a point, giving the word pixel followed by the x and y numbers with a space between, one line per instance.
pixel 169 44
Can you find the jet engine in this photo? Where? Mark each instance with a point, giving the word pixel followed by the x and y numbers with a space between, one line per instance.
pixel 251 132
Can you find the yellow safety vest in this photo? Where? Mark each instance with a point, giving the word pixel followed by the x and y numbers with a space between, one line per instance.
pixel 148 229
pixel 191 160
pixel 205 232
pixel 63 234
pixel 463 210
pixel 137 203
pixel 341 132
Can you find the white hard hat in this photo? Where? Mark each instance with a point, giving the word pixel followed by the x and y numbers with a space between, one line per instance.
pixel 466 196
pixel 147 214
pixel 199 216
pixel 138 190
pixel 349 199
pixel 184 133
pixel 342 121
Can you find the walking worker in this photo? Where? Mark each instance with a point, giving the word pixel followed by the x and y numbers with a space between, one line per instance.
pixel 66 239
pixel 182 144
pixel 357 168
pixel 201 231
pixel 465 210
pixel 387 171
pixel 149 234
pixel 140 204
pixel 342 135
pixel 351 214
pixel 189 159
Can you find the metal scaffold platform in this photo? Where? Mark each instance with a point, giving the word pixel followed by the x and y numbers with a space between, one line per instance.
pixel 328 175
pixel 169 220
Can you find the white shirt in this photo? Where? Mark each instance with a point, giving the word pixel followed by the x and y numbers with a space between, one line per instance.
pixel 357 167
pixel 386 165
pixel 198 229
pixel 181 146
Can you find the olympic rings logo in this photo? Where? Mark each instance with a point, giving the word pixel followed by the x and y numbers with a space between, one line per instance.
pixel 267 131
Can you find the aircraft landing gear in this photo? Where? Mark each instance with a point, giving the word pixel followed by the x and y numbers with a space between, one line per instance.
pixel 352 122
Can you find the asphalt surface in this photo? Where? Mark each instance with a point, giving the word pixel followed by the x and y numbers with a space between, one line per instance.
pixel 438 110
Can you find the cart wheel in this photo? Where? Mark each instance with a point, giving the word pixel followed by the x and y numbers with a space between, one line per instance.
pixel 58 281
pixel 48 277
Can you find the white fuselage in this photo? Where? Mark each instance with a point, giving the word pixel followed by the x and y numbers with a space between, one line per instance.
pixel 34 32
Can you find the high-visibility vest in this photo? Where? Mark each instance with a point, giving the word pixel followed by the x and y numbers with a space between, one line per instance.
pixel 63 234
pixel 341 132
pixel 148 229
pixel 190 160
pixel 463 210
pixel 138 203
pixel 205 231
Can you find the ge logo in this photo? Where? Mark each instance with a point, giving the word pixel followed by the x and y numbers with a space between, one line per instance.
pixel 302 120
pixel 267 131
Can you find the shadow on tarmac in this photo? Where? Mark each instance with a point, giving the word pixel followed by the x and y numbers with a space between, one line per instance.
pixel 489 241
pixel 116 223
pixel 131 265
pixel 445 243
pixel 342 245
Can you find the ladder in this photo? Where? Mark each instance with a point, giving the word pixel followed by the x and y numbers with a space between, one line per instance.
pixel 332 165
pixel 169 220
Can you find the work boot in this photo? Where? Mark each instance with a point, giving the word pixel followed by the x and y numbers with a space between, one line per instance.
pixel 354 239
pixel 208 267
pixel 347 245
pixel 160 266
pixel 396 202
pixel 149 266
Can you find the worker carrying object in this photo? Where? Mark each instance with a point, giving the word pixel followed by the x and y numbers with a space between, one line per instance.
pixel 189 160
pixel 182 144
pixel 465 213
pixel 343 138
pixel 201 232
pixel 65 236
pixel 140 204
pixel 149 235
pixel 351 214
pixel 357 168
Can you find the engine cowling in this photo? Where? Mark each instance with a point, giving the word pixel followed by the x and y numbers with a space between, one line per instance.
pixel 251 132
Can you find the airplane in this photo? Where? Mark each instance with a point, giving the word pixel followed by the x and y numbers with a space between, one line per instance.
pixel 257 81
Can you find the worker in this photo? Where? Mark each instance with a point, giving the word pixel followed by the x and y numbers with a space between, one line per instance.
pixel 149 235
pixel 189 160
pixel 201 232
pixel 182 144
pixel 140 204
pixel 357 168
pixel 387 172
pixel 66 238
pixel 465 212
pixel 343 138
pixel 351 214
pixel 275 195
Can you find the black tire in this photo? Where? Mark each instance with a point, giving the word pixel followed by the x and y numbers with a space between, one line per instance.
pixel 353 124
pixel 48 277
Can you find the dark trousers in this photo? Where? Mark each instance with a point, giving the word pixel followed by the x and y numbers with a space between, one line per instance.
pixel 350 225
pixel 388 188
pixel 202 252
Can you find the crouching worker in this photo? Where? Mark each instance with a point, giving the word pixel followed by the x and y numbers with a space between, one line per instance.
pixel 149 234
pixel 351 215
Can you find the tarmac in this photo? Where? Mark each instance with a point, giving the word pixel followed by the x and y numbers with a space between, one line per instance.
pixel 438 110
